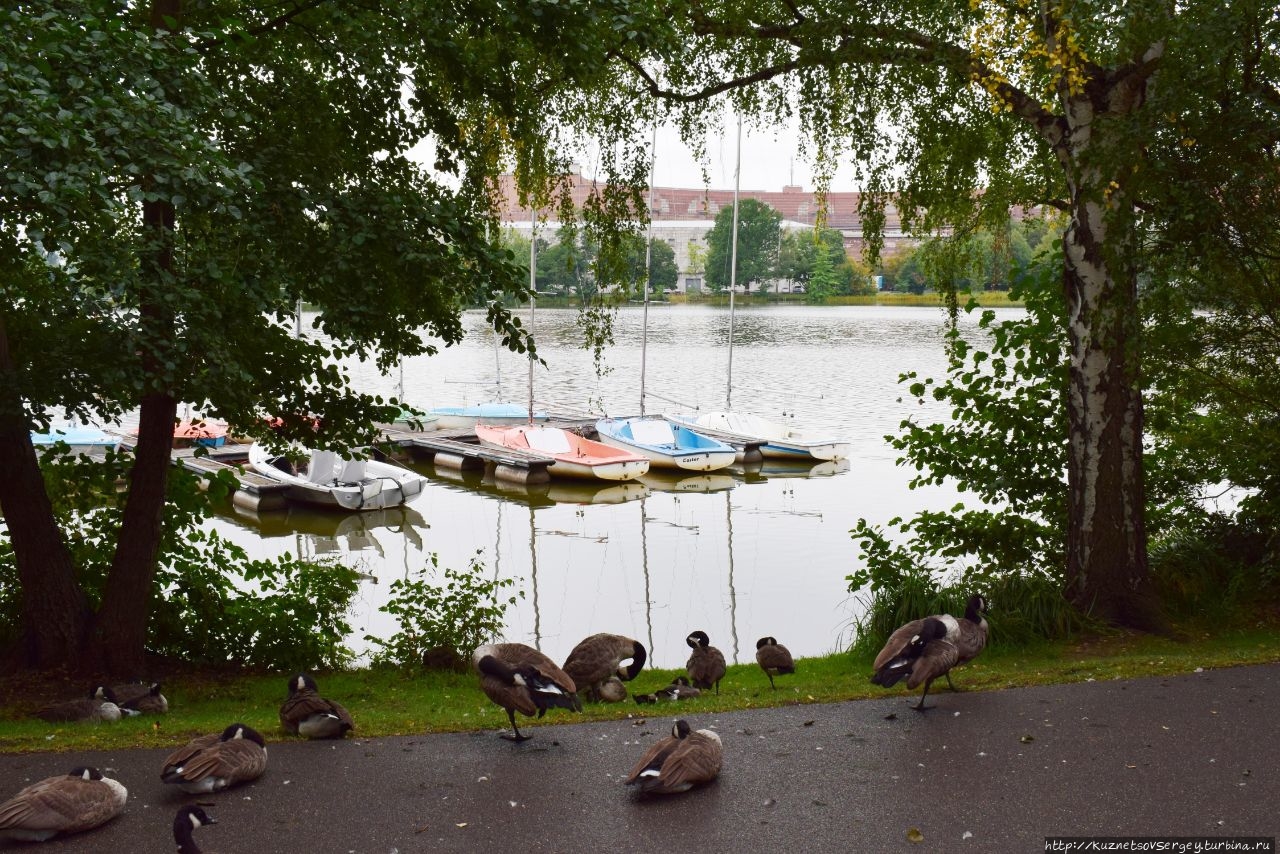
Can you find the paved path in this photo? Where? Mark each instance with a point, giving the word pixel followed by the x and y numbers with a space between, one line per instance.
pixel 1196 755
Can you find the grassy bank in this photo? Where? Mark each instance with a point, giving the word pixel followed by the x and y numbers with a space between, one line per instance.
pixel 390 703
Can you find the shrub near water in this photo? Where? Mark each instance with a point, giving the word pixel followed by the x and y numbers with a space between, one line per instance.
pixel 450 619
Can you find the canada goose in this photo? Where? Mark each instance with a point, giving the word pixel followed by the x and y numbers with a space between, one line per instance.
pixel 774 659
pixel 519 678
pixel 679 689
pixel 188 819
pixel 600 657
pixel 706 665
pixel 927 656
pixel 678 762
pixel 969 634
pixel 99 705
pixel 145 699
pixel 308 714
pixel 611 690
pixel 211 763
pixel 70 803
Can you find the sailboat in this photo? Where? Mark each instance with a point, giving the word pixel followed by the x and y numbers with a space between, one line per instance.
pixel 776 439
pixel 573 456
pixel 491 412
pixel 664 443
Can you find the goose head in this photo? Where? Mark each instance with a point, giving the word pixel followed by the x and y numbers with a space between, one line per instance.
pixel 86 773
pixel 975 608
pixel 698 639
pixel 767 641
pixel 244 731
pixel 681 729
pixel 301 682
pixel 638 657
pixel 189 819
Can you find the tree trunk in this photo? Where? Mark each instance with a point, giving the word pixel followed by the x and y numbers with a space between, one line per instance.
pixel 120 631
pixel 1107 571
pixel 55 612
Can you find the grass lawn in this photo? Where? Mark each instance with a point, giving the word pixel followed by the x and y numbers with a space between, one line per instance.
pixel 388 702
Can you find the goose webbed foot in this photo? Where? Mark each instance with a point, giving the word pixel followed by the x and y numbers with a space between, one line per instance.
pixel 517 738
pixel 949 685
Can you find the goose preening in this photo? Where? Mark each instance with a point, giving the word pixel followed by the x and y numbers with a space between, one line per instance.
pixel 678 762
pixel 306 713
pixel 142 698
pixel 774 659
pixel 100 705
pixel 70 803
pixel 189 819
pixel 598 658
pixel 926 656
pixel 519 678
pixel 211 763
pixel 968 634
pixel 706 665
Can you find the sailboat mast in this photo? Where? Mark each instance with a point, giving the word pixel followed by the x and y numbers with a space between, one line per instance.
pixel 733 267
pixel 533 295
pixel 648 263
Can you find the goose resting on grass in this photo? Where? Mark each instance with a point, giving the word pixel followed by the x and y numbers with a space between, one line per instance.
pixel 308 714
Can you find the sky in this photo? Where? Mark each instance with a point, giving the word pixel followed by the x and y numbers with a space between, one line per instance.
pixel 771 159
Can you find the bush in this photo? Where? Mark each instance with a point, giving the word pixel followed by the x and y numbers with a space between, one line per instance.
pixel 461 613
pixel 212 603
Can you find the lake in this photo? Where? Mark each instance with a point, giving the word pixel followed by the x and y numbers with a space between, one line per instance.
pixel 740 554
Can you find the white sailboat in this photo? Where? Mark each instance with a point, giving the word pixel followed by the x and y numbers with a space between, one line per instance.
pixel 776 439
pixel 664 443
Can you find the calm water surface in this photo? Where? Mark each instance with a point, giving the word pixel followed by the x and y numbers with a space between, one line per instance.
pixel 739 554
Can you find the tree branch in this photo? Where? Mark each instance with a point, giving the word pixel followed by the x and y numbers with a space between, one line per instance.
pixel 206 45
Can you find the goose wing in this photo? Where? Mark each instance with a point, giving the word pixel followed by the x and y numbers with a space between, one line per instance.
pixel 62 804
pixel 706 666
pixel 696 759
pixel 654 757
pixel 304 704
pixel 184 754
pixel 519 655
pixel 938 657
pixel 898 642
pixel 236 760
pixel 775 657
pixel 593 659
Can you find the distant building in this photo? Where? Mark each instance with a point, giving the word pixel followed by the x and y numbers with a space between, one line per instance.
pixel 682 217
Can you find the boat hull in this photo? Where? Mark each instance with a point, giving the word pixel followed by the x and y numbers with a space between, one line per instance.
pixel 777 441
pixel 572 456
pixel 378 486
pixel 687 450
pixel 497 414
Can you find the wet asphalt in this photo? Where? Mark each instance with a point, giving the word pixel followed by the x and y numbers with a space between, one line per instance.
pixel 995 771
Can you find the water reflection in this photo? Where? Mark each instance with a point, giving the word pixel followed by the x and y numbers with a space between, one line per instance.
pixel 751 551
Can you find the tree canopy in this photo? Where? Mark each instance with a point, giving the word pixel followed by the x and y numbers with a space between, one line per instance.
pixel 178 176
pixel 1146 124
pixel 759 233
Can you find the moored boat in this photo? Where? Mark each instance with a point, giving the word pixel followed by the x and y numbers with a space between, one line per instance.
pixel 776 440
pixel 666 445
pixel 462 417
pixel 82 440
pixel 574 455
pixel 326 479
